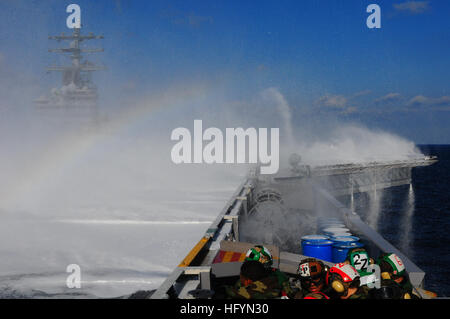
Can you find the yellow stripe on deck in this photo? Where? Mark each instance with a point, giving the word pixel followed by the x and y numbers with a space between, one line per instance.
pixel 194 252
pixel 227 257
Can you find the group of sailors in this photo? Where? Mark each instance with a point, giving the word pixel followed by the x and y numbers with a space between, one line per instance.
pixel 316 280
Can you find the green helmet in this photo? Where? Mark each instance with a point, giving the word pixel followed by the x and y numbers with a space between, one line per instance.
pixel 392 264
pixel 359 259
pixel 261 254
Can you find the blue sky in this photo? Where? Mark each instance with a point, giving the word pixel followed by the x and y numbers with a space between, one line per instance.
pixel 319 54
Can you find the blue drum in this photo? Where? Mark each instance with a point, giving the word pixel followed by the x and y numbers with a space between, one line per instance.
pixel 331 225
pixel 336 231
pixel 344 239
pixel 340 251
pixel 315 238
pixel 320 248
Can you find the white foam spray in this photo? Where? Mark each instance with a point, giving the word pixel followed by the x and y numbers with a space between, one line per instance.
pixel 285 113
pixel 406 223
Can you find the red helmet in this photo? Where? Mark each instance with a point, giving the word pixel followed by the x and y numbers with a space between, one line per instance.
pixel 342 276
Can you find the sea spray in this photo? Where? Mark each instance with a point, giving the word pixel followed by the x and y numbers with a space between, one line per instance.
pixel 406 222
pixel 285 114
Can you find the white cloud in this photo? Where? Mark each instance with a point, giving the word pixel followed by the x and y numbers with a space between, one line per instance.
pixel 414 7
pixel 443 100
pixel 421 100
pixel 389 98
pixel 338 101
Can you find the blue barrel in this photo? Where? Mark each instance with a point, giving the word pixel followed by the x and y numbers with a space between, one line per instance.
pixel 331 235
pixel 335 230
pixel 340 251
pixel 315 238
pixel 344 239
pixel 318 249
pixel 331 225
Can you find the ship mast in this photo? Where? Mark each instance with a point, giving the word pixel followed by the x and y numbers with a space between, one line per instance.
pixel 79 72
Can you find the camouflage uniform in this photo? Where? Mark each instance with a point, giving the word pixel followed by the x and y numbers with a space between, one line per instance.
pixel 316 295
pixel 361 293
pixel 264 288
pixel 283 282
pixel 406 288
pixel 302 293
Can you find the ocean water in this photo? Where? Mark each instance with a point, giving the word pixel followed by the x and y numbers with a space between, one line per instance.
pixel 416 218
